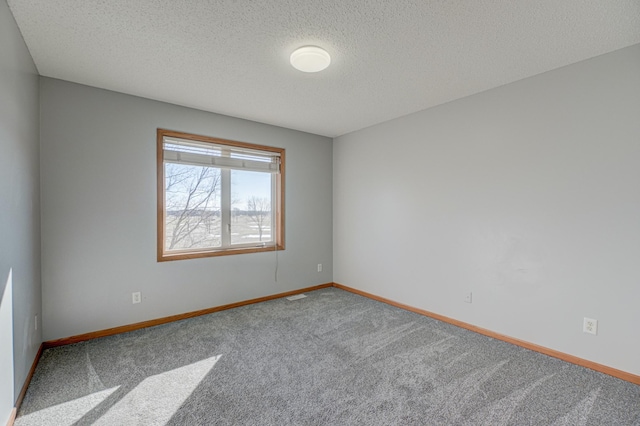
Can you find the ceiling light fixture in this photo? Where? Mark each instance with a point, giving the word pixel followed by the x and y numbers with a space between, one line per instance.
pixel 310 59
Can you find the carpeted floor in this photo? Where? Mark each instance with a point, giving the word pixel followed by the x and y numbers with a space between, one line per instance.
pixel 332 358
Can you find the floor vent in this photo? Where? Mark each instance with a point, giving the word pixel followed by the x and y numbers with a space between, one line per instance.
pixel 296 297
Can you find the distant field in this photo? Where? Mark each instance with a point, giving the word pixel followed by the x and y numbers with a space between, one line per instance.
pixel 199 232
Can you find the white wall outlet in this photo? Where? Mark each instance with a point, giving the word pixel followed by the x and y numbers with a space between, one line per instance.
pixel 319 267
pixel 136 297
pixel 467 297
pixel 590 326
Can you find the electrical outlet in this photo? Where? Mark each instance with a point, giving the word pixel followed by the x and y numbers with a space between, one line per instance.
pixel 590 326
pixel 319 267
pixel 467 297
pixel 136 297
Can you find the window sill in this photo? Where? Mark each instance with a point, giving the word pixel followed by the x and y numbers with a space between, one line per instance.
pixel 165 257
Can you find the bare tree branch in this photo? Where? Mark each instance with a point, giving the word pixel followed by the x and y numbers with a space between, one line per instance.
pixel 191 204
pixel 258 209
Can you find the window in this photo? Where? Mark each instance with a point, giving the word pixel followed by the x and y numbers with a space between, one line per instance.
pixel 218 197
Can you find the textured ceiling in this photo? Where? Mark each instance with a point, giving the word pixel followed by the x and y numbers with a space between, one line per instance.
pixel 389 58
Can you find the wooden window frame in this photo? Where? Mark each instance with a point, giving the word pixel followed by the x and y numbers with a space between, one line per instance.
pixel 162 254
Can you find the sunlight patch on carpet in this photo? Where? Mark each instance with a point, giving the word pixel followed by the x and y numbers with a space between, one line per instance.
pixel 157 398
pixel 67 413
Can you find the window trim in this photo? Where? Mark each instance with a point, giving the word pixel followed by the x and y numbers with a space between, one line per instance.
pixel 162 255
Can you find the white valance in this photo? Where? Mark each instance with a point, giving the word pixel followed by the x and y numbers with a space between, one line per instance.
pixel 182 151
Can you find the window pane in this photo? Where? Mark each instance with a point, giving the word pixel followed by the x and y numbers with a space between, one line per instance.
pixel 192 209
pixel 251 202
pixel 217 197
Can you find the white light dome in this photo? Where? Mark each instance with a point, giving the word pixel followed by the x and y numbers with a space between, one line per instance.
pixel 310 59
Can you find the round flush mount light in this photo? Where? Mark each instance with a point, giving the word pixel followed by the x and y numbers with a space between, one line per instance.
pixel 310 59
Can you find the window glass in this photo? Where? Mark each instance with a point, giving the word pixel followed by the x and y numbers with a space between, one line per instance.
pixel 252 198
pixel 192 215
pixel 217 196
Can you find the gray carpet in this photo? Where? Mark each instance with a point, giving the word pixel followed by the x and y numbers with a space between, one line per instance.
pixel 333 358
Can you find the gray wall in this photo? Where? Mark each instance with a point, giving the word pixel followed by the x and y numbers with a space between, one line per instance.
pixel 527 195
pixel 19 211
pixel 98 152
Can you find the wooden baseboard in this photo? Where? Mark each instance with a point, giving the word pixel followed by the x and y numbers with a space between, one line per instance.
pixel 23 391
pixel 537 348
pixel 172 318
pixel 12 417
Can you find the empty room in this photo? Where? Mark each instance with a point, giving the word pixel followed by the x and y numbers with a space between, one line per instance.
pixel 319 212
